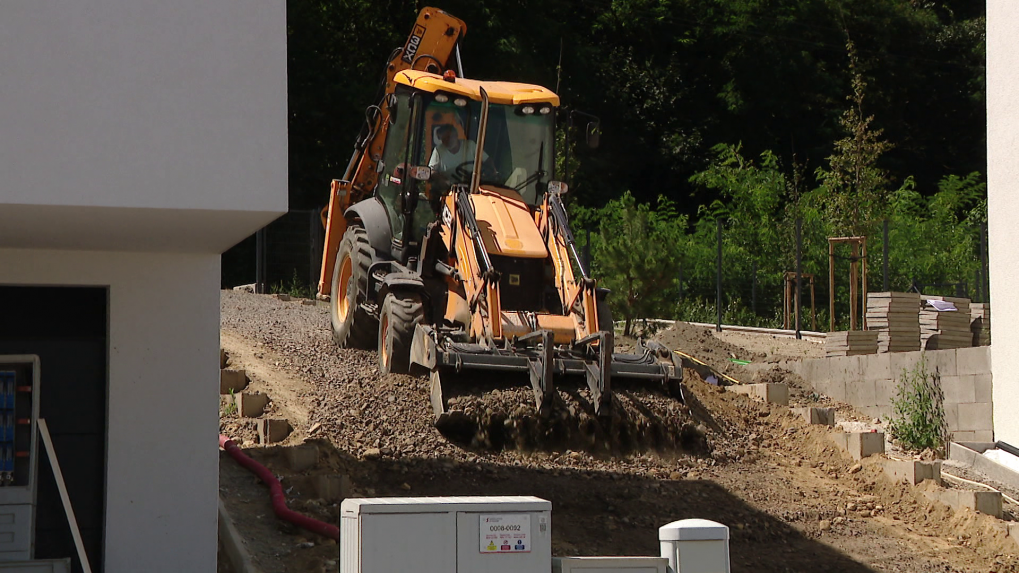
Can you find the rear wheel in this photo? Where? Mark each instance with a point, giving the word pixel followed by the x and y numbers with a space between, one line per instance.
pixel 353 326
pixel 401 313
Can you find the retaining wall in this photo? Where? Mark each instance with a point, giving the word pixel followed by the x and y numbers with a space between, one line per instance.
pixel 868 382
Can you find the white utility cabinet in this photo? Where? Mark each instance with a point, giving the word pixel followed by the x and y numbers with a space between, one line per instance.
pixel 449 534
pixel 610 565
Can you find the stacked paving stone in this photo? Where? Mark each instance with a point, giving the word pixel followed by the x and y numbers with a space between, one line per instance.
pixel 895 316
pixel 850 343
pixel 942 330
pixel 980 323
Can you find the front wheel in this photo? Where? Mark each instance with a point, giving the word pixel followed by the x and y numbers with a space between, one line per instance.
pixel 401 313
pixel 353 326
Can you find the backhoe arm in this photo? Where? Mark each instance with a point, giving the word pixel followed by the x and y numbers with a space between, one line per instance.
pixel 432 47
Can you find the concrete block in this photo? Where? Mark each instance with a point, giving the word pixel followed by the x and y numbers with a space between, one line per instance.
pixel 983 436
pixel 958 389
pixel 834 389
pixel 913 472
pixel 331 487
pixel 251 404
pixel 975 417
pixel 943 361
pixel 860 444
pixel 876 366
pixel 845 368
pixel 818 369
pixel 773 393
pixel 885 412
pixel 282 297
pixel 963 436
pixel 862 392
pixel 976 360
pixel 302 457
pixel 987 502
pixel 820 416
pixel 982 387
pixel 952 416
pixel 885 391
pixel 232 381
pixel 902 362
pixel 272 430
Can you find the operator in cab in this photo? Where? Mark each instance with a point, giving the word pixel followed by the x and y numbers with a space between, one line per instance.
pixel 451 153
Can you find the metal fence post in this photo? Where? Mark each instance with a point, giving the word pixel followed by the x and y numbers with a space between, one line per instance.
pixel 753 289
pixel 884 258
pixel 680 280
pixel 718 281
pixel 799 272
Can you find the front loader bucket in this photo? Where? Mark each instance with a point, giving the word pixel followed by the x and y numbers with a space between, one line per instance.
pixel 458 368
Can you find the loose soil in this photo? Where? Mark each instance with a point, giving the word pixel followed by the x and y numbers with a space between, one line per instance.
pixel 792 500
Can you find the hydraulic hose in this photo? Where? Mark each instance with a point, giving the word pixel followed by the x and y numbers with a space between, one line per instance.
pixel 279 502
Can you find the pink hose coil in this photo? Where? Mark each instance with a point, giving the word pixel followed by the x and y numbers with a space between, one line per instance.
pixel 279 501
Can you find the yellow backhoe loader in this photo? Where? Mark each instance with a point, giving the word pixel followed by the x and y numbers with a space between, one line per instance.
pixel 448 247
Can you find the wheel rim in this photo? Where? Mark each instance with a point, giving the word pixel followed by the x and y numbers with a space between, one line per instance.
pixel 342 302
pixel 384 347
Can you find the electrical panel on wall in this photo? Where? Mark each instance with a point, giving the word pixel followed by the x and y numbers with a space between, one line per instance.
pixel 19 447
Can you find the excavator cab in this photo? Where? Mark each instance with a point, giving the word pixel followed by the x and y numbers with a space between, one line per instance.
pixel 431 147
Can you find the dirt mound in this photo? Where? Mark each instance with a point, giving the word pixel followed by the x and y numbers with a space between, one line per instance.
pixel 639 421
pixel 701 343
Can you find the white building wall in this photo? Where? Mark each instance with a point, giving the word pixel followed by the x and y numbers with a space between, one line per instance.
pixel 162 452
pixel 158 116
pixel 1003 208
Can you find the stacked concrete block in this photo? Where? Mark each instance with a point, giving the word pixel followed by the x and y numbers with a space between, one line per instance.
pixel 895 316
pixel 870 382
pixel 987 502
pixel 980 323
pixel 272 430
pixel 944 329
pixel 850 343
pixel 232 381
pixel 816 416
pixel 768 392
pixel 860 444
pixel 912 471
pixel 251 404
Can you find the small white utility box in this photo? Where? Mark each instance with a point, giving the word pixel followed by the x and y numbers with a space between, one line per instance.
pixel 610 565
pixel 446 534
pixel 695 546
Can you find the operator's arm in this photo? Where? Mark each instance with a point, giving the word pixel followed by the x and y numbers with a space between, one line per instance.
pixel 433 162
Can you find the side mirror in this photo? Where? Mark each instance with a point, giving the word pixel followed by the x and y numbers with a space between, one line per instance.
pixel 420 172
pixel 558 188
pixel 592 133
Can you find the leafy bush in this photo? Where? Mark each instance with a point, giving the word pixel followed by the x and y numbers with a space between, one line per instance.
pixel 919 420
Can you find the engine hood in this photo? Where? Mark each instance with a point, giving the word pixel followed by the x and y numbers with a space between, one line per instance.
pixel 506 224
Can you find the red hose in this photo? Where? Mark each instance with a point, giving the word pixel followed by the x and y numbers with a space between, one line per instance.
pixel 279 502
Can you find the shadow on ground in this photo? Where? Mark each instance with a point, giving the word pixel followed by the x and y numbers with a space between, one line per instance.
pixel 593 512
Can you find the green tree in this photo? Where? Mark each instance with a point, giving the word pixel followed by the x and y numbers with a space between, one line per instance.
pixel 854 186
pixel 636 254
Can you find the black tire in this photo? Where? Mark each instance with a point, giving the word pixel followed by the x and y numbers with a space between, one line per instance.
pixel 401 312
pixel 604 316
pixel 353 327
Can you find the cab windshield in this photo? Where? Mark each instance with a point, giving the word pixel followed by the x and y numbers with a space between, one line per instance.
pixel 518 145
